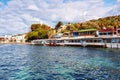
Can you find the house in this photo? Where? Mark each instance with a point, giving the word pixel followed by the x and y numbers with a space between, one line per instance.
pixel 61 28
pixel 79 34
pixel 87 32
pixel 7 38
pixel 58 35
pixel 20 38
pixel 66 35
pixel 84 33
pixel 107 32
pixel 75 34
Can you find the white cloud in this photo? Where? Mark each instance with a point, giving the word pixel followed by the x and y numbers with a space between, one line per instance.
pixel 18 15
pixel 118 0
pixel 33 7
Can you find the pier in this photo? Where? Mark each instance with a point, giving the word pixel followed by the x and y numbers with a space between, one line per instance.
pixel 97 42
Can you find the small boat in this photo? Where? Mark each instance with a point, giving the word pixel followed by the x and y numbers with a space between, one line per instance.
pixel 51 44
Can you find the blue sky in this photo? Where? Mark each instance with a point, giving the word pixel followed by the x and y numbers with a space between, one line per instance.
pixel 111 2
pixel 16 16
pixel 4 1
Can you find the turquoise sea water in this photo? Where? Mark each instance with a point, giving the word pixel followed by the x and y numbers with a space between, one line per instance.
pixel 32 62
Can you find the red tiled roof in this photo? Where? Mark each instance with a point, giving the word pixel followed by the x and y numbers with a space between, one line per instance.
pixel 1 38
pixel 106 30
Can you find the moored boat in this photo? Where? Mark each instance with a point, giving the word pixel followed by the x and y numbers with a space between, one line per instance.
pixel 51 44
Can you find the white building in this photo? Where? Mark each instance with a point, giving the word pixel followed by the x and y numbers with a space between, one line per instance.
pixel 7 38
pixel 61 28
pixel 20 38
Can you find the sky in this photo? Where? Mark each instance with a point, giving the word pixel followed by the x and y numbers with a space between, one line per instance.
pixel 16 16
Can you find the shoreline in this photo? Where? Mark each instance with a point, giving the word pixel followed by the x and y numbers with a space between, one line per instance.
pixel 16 43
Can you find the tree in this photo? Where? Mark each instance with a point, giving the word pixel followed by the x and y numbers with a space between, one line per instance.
pixel 32 35
pixel 38 31
pixel 58 25
pixel 42 34
pixel 35 27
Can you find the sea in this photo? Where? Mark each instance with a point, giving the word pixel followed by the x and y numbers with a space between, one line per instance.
pixel 35 62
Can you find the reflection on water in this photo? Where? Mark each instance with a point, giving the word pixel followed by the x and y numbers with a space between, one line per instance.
pixel 30 62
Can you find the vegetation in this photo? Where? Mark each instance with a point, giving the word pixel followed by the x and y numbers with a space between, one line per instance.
pixel 38 31
pixel 42 31
pixel 58 25
pixel 107 22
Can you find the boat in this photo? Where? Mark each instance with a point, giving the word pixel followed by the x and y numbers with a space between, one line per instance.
pixel 50 44
pixel 41 42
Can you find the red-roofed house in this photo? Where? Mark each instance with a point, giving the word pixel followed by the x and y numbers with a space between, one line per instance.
pixel 107 32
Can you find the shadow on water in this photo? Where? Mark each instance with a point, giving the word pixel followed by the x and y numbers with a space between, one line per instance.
pixel 31 62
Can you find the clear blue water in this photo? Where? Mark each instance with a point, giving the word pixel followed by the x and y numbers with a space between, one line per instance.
pixel 31 62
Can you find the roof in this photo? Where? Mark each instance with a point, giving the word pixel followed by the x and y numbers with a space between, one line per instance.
pixel 87 30
pixel 1 38
pixel 106 30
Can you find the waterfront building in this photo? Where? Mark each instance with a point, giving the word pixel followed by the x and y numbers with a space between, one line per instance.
pixel 59 35
pixel 87 33
pixel 66 35
pixel 107 38
pixel 107 32
pixel 7 38
pixel 20 38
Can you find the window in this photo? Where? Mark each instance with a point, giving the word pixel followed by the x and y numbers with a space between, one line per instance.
pixel 114 32
pixel 104 34
pixel 118 31
pixel 109 33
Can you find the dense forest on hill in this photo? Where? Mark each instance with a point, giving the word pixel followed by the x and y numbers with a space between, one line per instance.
pixel 42 31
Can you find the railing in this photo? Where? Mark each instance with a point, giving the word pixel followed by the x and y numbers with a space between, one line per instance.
pixel 113 45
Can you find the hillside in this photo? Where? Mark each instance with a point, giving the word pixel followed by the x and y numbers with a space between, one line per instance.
pixel 107 22
pixel 42 31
